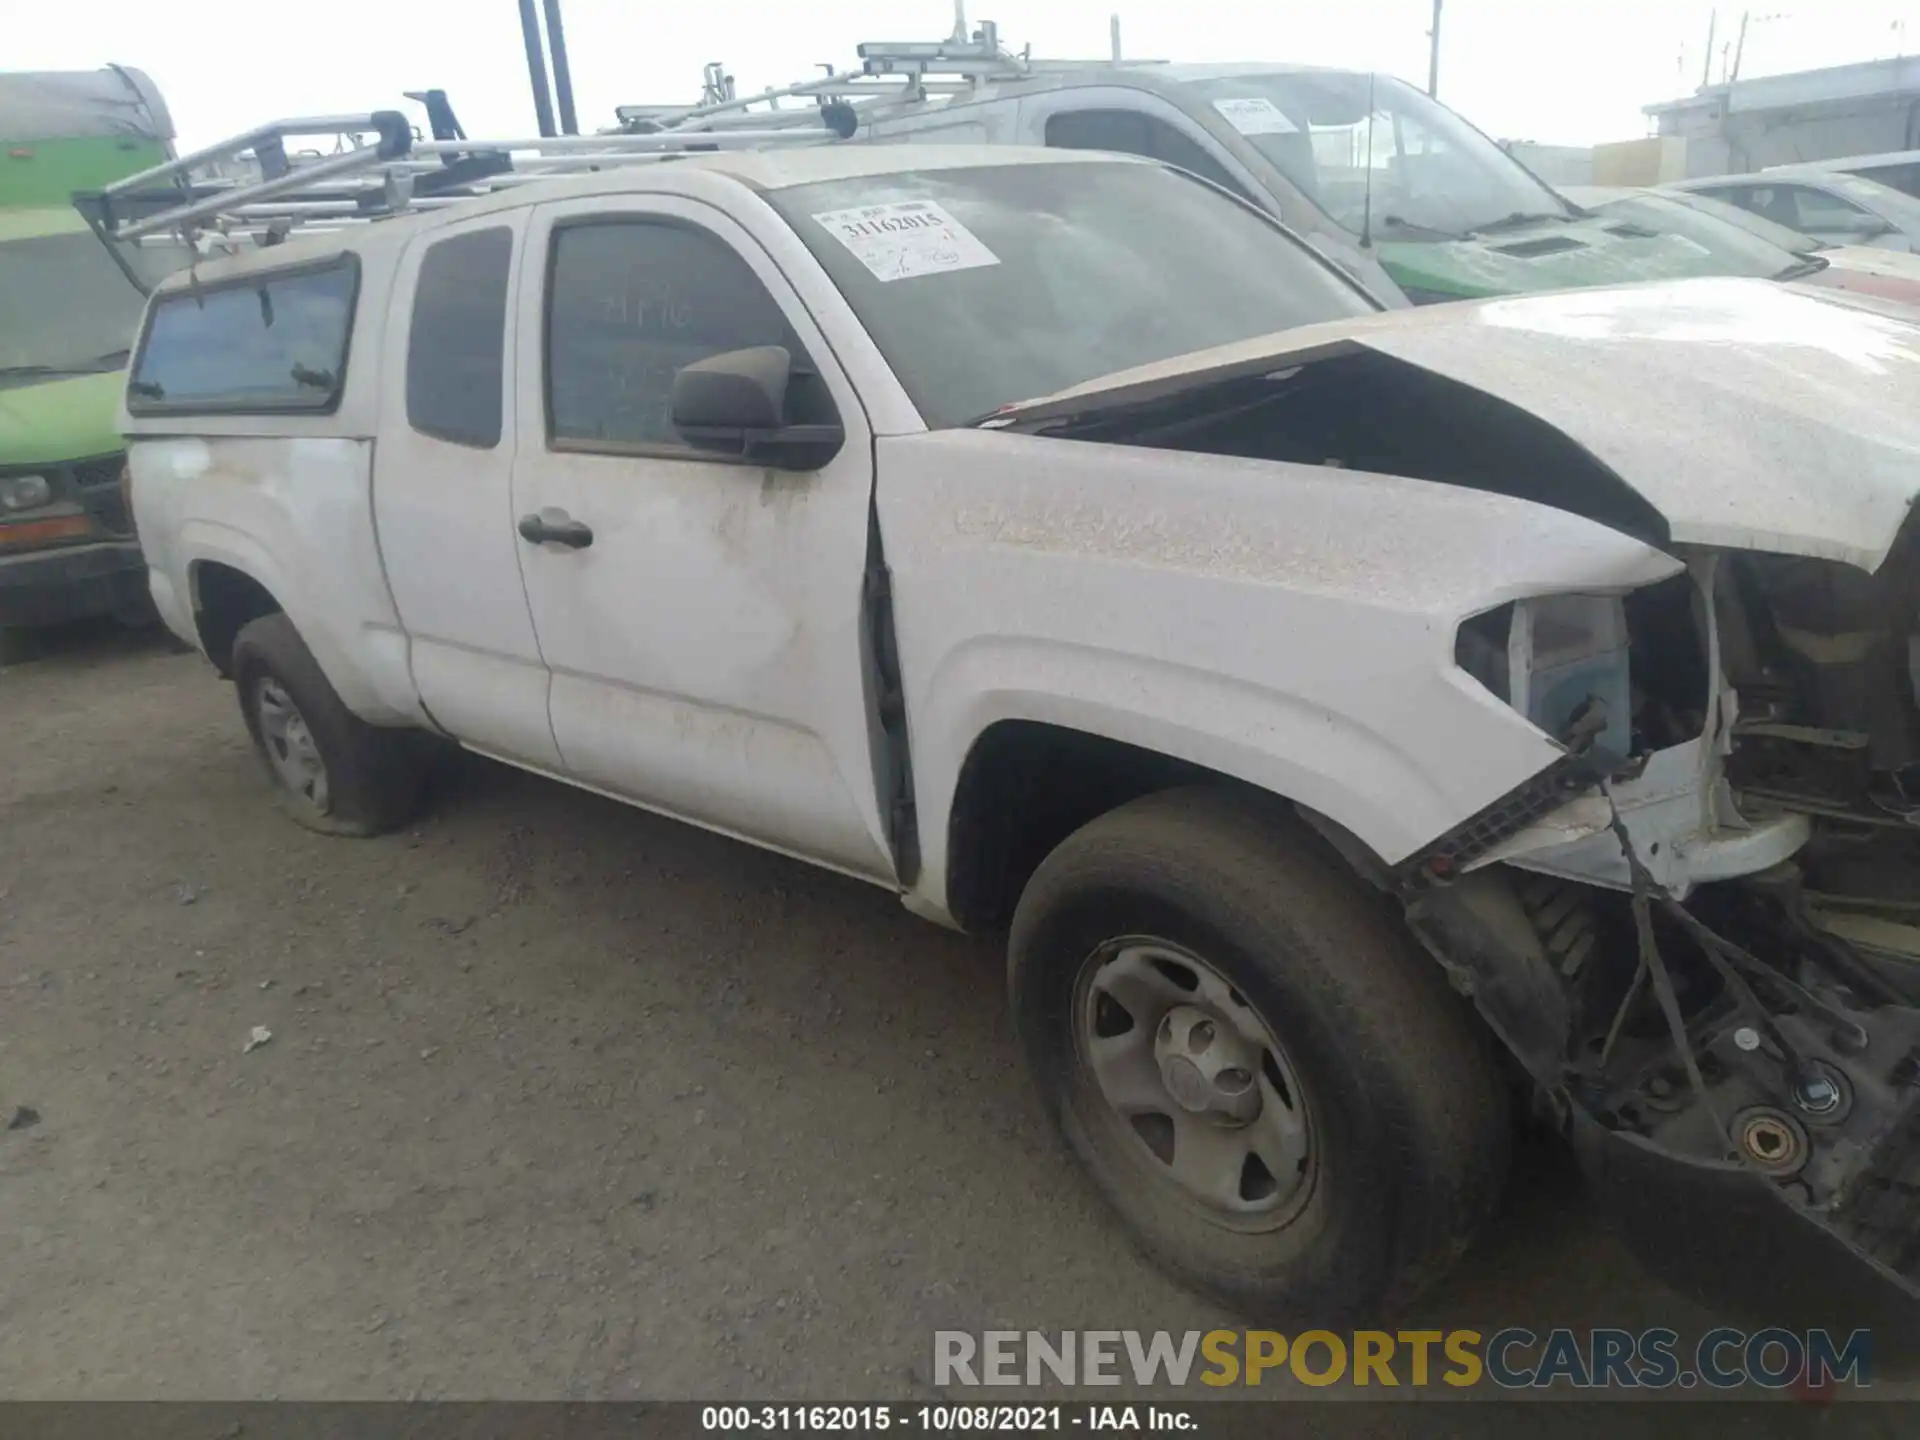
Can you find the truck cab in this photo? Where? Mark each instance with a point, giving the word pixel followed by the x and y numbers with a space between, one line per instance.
pixel 67 545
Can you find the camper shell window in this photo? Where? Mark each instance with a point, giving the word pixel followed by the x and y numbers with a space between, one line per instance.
pixel 269 343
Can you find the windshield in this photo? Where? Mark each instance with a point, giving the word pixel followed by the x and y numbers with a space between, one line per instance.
pixel 984 287
pixel 1771 231
pixel 65 307
pixel 1734 250
pixel 1431 172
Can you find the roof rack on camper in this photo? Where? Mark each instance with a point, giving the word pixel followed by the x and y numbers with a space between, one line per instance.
pixel 378 166
pixel 893 77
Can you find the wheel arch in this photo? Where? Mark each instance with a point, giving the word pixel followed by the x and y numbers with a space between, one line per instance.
pixel 226 599
pixel 233 580
pixel 1025 785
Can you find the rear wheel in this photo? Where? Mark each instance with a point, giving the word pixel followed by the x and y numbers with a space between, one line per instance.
pixel 330 770
pixel 1280 1094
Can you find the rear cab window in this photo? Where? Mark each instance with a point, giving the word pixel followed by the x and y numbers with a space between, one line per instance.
pixel 275 342
pixel 457 338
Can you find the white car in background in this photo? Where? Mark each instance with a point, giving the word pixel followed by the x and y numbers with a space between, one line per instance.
pixel 1897 168
pixel 1837 208
pixel 1748 245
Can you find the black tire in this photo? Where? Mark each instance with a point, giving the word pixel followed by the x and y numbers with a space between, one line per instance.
pixel 374 777
pixel 1410 1128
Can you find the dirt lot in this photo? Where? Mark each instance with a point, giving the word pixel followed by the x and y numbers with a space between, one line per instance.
pixel 562 1099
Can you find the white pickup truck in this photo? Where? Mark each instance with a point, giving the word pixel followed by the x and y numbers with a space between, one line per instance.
pixel 1353 717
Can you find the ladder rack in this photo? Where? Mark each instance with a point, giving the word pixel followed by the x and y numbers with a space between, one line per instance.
pixel 379 168
pixel 894 77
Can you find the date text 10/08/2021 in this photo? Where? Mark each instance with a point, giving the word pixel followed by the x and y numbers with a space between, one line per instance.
pixel 936 1419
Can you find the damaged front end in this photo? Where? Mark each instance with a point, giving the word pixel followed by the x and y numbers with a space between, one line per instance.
pixel 1699 929
pixel 1700 933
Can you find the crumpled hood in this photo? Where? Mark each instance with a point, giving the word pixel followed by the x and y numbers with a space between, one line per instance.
pixel 1751 415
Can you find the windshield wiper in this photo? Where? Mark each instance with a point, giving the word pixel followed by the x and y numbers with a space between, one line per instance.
pixel 1809 265
pixel 1518 218
pixel 1400 222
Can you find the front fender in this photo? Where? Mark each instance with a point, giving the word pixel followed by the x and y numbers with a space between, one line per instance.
pixel 1290 626
pixel 1337 764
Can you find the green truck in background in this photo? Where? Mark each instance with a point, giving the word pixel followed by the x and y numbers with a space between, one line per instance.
pixel 68 313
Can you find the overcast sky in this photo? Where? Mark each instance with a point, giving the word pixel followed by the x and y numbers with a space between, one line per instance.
pixel 1558 71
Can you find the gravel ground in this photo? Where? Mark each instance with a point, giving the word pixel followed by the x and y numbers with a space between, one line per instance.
pixel 561 1100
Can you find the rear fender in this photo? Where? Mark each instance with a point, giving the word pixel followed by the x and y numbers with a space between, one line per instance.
pixel 294 516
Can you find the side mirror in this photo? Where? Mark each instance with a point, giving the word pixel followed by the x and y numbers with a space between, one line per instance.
pixel 735 403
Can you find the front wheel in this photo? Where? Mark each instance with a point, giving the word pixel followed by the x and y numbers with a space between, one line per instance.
pixel 1279 1093
pixel 330 770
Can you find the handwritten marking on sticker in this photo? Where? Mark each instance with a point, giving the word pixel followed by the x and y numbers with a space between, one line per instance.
pixel 906 238
pixel 1255 115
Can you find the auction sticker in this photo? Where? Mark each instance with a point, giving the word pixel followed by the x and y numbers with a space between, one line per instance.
pixel 1255 115
pixel 907 238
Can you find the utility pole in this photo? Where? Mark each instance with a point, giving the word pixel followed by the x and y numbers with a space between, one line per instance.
pixel 562 72
pixel 1433 53
pixel 1739 46
pixel 543 97
pixel 1706 66
pixel 536 67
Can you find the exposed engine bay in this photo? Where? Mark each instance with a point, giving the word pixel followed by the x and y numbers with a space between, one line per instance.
pixel 1700 933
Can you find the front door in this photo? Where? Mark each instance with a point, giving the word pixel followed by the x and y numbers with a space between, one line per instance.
pixel 701 616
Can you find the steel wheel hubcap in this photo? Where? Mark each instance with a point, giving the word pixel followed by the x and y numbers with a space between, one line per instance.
pixel 1196 1080
pixel 290 746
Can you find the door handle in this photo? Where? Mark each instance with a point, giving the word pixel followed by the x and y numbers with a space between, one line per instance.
pixel 555 527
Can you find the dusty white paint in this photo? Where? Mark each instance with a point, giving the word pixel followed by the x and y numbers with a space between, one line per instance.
pixel 1290 625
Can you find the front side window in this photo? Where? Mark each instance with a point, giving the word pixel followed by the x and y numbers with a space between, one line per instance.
pixel 1373 152
pixel 1858 209
pixel 271 343
pixel 1821 209
pixel 632 302
pixel 991 285
pixel 1719 207
pixel 457 340
pixel 1132 133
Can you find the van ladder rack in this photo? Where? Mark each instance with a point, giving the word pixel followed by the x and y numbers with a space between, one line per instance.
pixel 893 77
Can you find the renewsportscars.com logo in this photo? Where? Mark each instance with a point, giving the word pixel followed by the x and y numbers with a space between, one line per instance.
pixel 1514 1358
